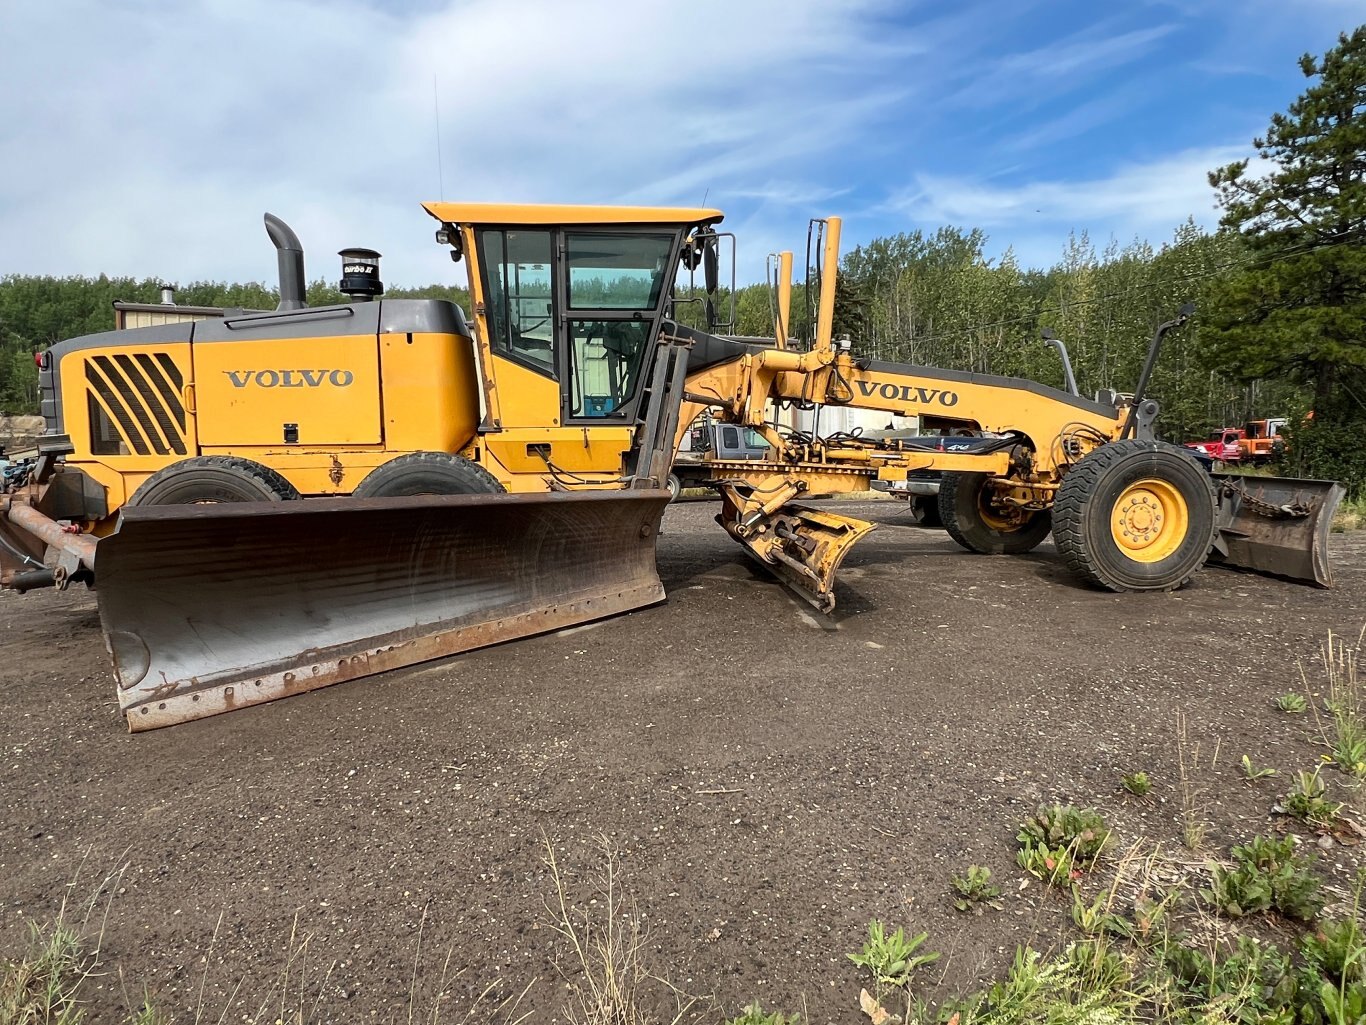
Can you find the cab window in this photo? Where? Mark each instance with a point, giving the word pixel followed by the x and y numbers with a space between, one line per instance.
pixel 606 357
pixel 617 271
pixel 517 295
pixel 614 282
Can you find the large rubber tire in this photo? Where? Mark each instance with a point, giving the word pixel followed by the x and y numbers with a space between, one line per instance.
pixel 427 473
pixel 212 479
pixel 675 487
pixel 925 510
pixel 1099 498
pixel 970 523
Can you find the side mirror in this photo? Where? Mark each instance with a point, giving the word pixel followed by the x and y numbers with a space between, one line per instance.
pixel 711 266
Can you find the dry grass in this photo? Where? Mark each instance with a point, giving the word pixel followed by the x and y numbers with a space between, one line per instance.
pixel 1350 516
pixel 609 979
pixel 43 987
pixel 1193 822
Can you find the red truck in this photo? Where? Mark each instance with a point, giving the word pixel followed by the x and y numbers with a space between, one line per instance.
pixel 1256 443
pixel 1224 445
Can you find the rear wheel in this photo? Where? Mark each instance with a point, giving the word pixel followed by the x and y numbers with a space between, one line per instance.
pixel 427 473
pixel 675 487
pixel 1135 516
pixel 212 479
pixel 965 507
pixel 925 510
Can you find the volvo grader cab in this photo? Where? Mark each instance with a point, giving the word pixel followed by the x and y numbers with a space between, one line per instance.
pixel 274 501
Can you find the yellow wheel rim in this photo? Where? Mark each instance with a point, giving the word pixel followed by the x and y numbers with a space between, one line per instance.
pixel 994 518
pixel 1150 520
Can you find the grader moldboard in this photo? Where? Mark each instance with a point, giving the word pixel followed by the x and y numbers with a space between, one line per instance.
pixel 270 502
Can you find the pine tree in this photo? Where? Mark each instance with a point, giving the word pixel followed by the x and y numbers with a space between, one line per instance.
pixel 1297 307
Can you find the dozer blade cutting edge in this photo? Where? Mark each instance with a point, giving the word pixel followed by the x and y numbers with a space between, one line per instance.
pixel 801 546
pixel 1276 525
pixel 208 608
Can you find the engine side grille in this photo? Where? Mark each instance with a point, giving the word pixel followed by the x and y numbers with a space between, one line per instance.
pixel 135 404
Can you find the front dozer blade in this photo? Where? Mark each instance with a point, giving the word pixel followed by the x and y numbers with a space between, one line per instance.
pixel 801 546
pixel 1276 525
pixel 209 608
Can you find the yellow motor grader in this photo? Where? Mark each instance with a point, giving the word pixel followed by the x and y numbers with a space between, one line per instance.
pixel 272 501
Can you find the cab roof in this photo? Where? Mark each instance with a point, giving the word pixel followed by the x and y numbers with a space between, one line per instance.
pixel 550 213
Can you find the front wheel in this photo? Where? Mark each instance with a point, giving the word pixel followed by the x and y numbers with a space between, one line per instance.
pixel 208 480
pixel 1135 516
pixel 970 518
pixel 427 473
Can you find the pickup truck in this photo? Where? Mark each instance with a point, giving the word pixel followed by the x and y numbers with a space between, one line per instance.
pixel 1224 445
pixel 712 441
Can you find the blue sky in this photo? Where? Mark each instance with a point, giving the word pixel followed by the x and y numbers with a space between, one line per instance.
pixel 145 137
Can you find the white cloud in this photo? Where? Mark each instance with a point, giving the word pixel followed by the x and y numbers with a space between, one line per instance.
pixel 1138 200
pixel 147 137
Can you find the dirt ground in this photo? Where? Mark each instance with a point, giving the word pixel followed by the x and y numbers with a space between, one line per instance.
pixel 768 779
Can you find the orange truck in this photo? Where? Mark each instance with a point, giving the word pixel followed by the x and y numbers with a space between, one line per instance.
pixel 1263 441
pixel 1258 442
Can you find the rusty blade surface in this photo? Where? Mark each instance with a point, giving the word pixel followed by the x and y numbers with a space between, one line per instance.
pixel 208 608
pixel 1277 525
pixel 803 548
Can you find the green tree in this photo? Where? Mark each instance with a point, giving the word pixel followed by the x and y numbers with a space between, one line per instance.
pixel 1297 307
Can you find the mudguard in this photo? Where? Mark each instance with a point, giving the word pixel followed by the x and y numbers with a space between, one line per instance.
pixel 209 608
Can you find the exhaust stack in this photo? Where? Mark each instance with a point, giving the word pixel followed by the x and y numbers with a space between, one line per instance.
pixel 291 257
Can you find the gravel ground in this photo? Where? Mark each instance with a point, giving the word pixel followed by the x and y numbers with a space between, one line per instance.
pixel 768 780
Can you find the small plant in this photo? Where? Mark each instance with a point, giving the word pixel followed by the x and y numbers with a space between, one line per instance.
pixel 756 1015
pixel 1081 831
pixel 1137 783
pixel 1051 864
pixel 1349 748
pixel 891 959
pixel 1193 823
pixel 1338 950
pixel 1150 916
pixel 1097 918
pixel 1085 983
pixel 975 890
pixel 1269 875
pixel 1253 773
pixel 43 987
pixel 1345 733
pixel 1306 801
pixel 1290 702
pixel 1239 891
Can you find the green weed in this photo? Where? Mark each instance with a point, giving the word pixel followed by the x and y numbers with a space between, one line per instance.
pixel 1253 773
pixel 44 985
pixel 1087 983
pixel 1137 783
pixel 1051 864
pixel 756 1015
pixel 1344 734
pixel 891 960
pixel 1268 875
pixel 975 890
pixel 1080 831
pixel 1308 803
pixel 1193 823
pixel 1291 702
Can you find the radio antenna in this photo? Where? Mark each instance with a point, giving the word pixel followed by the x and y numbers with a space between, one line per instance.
pixel 436 117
